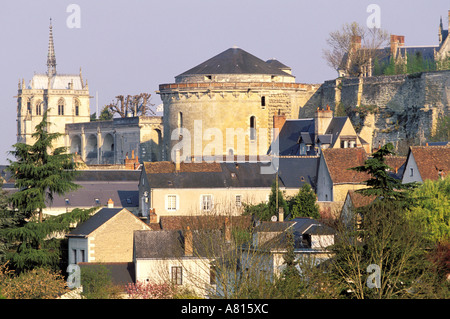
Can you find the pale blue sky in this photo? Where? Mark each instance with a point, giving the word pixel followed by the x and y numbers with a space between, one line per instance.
pixel 129 47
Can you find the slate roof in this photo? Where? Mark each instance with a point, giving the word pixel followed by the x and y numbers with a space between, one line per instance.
pixel 207 175
pixel 340 160
pixel 235 61
pixel 299 226
pixel 160 244
pixel 122 186
pixel 430 160
pixel 94 222
pixel 290 133
pixel 292 173
pixel 303 130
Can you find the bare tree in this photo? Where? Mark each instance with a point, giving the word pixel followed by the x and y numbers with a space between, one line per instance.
pixel 131 105
pixel 353 49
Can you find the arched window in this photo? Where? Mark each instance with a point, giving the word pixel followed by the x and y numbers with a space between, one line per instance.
pixel 39 108
pixel 61 107
pixel 252 127
pixel 77 107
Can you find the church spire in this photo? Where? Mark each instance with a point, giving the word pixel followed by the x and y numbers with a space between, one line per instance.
pixel 51 59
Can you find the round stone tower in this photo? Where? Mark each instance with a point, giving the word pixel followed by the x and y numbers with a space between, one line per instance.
pixel 225 105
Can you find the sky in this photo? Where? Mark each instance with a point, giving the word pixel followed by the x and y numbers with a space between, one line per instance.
pixel 130 47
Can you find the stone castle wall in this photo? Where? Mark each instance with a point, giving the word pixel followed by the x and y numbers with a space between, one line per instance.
pixel 397 109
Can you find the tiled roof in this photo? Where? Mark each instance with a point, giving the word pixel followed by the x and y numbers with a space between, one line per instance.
pixel 339 162
pixel 432 159
pixel 359 200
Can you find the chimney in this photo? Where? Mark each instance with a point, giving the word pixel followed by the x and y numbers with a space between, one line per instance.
pixel 153 216
pixel 278 123
pixel 396 42
pixel 355 43
pixel 280 214
pixel 188 247
pixel 110 203
pixel 322 120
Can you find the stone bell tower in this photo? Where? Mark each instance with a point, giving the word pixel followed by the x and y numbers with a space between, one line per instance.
pixel 64 96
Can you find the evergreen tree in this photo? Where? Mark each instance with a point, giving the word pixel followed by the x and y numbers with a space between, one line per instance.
pixel 276 200
pixel 39 173
pixel 304 203
pixel 381 183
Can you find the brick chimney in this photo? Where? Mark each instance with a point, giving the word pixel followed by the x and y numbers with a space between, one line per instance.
pixel 188 245
pixel 153 218
pixel 177 161
pixel 355 43
pixel 278 123
pixel 322 120
pixel 396 42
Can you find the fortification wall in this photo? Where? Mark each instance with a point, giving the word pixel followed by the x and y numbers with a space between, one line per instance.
pixel 402 109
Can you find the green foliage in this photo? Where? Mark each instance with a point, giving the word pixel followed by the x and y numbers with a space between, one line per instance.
pixel 432 209
pixel 39 174
pixel 303 204
pixel 35 248
pixel 442 129
pixel 380 183
pixel 264 211
pixel 97 283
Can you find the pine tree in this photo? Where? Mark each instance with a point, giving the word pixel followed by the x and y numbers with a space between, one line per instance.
pixel 304 203
pixel 381 183
pixel 39 174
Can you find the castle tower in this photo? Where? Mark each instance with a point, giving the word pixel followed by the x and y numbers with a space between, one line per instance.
pixel 227 105
pixel 64 96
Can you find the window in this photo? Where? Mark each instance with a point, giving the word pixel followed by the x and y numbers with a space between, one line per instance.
pixel 29 107
pixel 74 253
pixel 83 256
pixel 238 200
pixel 171 202
pixel 77 108
pixel 252 128
pixel 411 172
pixel 177 275
pixel 39 108
pixel 206 202
pixel 61 107
pixel 263 101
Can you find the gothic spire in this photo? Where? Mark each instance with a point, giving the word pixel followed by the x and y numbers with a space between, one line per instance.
pixel 51 59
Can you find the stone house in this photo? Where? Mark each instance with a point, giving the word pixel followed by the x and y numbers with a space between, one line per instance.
pixel 217 188
pixel 300 137
pixel 311 239
pixel 181 257
pixel 353 201
pixel 106 237
pixel 427 162
pixel 334 177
